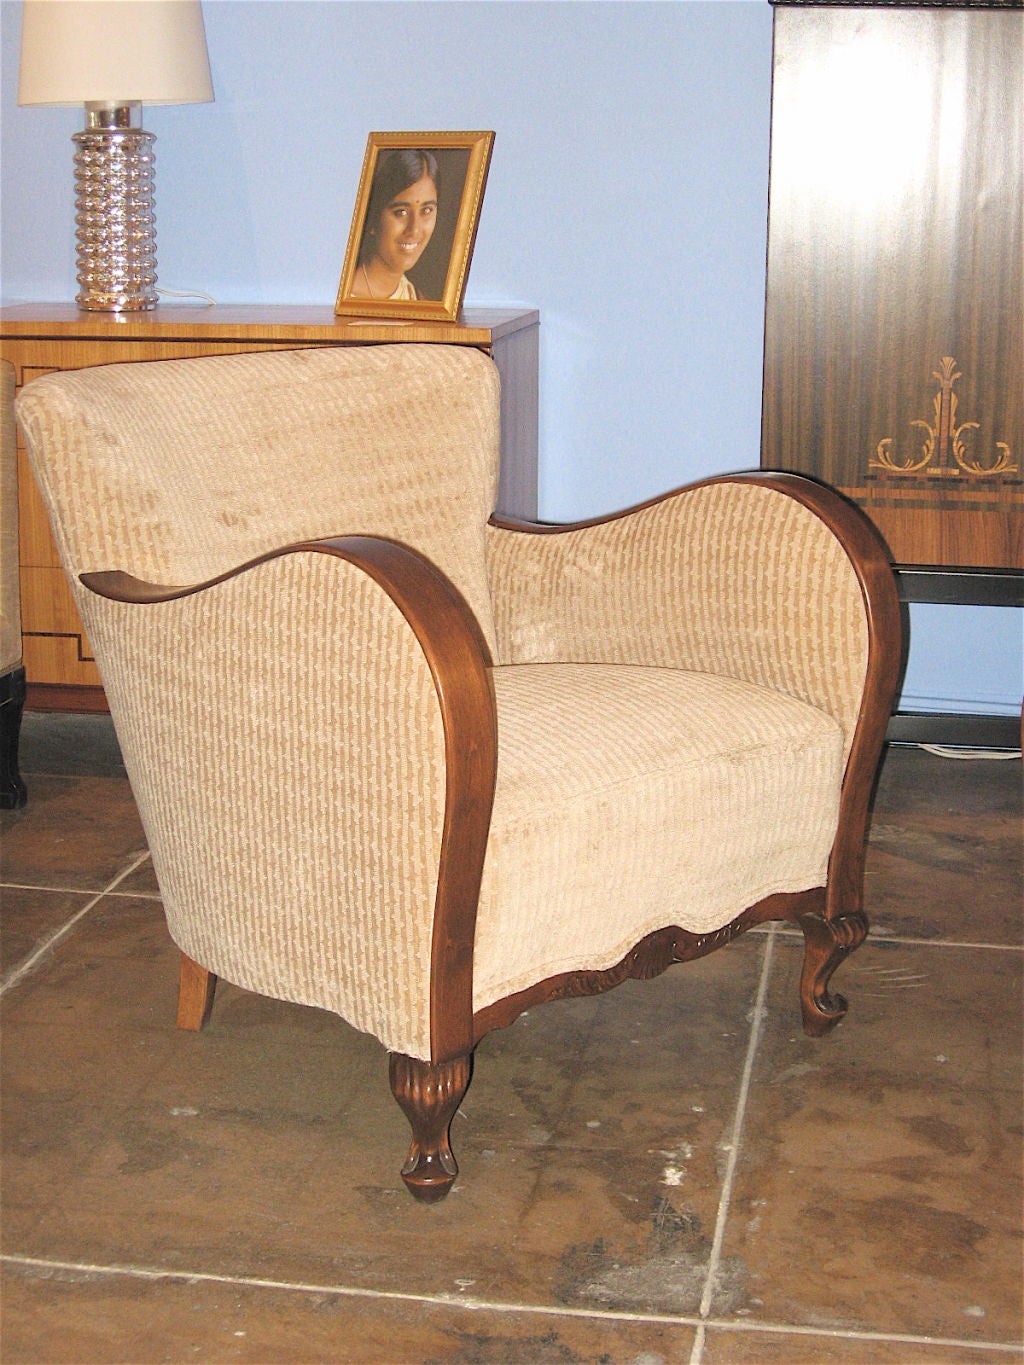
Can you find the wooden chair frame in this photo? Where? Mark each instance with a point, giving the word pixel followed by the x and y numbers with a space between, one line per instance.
pixel 831 916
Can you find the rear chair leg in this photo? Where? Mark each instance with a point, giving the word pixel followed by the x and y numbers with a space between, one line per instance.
pixel 429 1094
pixel 195 994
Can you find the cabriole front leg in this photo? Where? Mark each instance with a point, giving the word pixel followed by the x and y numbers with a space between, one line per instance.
pixel 429 1094
pixel 827 942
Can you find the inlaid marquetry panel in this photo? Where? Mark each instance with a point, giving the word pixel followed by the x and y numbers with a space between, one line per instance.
pixel 56 648
pixel 894 342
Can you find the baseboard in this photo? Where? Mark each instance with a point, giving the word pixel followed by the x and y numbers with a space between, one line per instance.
pixel 954 730
pixel 60 697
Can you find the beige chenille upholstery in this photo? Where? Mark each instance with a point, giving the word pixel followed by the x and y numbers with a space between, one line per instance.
pixel 423 769
pixel 12 674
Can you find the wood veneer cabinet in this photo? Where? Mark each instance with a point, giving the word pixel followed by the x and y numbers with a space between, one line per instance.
pixel 40 338
pixel 894 334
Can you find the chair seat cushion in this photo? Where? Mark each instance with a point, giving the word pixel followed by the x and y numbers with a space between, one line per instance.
pixel 718 792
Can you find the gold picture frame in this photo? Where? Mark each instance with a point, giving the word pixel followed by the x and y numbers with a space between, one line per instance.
pixel 414 236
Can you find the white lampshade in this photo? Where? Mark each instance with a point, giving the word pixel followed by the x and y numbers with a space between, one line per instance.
pixel 107 51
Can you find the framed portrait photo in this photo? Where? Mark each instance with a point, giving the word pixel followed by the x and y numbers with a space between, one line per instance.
pixel 414 225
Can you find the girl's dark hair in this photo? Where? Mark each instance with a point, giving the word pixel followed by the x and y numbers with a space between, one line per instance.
pixel 395 172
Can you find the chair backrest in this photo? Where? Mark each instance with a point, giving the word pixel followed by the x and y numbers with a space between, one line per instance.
pixel 10 608
pixel 178 470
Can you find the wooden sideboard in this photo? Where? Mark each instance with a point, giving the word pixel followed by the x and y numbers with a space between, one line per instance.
pixel 41 338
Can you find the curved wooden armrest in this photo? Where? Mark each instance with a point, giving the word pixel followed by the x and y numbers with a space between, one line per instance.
pixel 459 661
pixel 439 616
pixel 849 525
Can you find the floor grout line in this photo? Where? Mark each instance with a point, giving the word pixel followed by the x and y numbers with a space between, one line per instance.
pixel 794 934
pixel 779 927
pixel 783 930
pixel 83 890
pixel 735 1136
pixel 25 966
pixel 942 943
pixel 180 1276
pixel 787 932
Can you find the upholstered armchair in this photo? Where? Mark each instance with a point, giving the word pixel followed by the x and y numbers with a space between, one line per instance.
pixel 12 674
pixel 427 768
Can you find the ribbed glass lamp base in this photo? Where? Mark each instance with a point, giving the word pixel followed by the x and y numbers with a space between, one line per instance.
pixel 116 225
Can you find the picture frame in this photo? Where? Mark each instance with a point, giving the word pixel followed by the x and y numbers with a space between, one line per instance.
pixel 386 249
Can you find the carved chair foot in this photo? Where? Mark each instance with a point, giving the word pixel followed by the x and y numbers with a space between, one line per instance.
pixel 429 1094
pixel 826 944
pixel 196 987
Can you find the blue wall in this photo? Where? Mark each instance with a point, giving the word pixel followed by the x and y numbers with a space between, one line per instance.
pixel 627 201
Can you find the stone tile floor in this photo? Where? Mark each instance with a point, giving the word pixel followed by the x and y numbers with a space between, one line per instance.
pixel 671 1172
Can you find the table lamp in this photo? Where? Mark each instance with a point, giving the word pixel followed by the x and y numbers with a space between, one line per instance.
pixel 111 56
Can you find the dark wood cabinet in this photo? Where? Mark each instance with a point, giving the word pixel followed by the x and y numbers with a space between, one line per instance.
pixel 894 358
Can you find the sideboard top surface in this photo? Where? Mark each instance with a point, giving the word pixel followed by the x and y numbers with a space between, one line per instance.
pixel 290 322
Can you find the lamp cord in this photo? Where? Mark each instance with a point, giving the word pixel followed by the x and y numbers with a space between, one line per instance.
pixel 187 294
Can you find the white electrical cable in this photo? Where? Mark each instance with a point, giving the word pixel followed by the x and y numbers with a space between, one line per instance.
pixel 946 751
pixel 187 294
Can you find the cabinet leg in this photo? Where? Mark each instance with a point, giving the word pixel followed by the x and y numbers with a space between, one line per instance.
pixel 12 704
